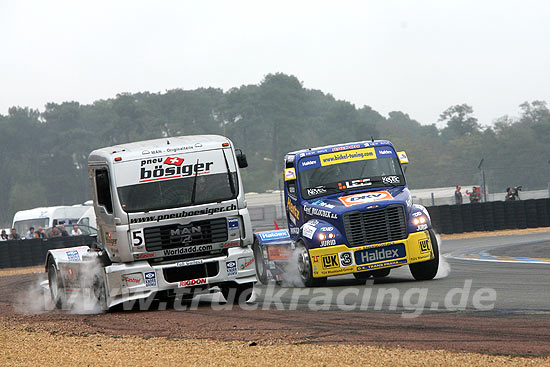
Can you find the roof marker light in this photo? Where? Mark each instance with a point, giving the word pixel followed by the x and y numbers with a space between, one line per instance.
pixel 118 159
pixel 225 144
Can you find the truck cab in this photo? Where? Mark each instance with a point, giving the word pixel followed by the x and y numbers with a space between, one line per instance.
pixel 349 211
pixel 171 214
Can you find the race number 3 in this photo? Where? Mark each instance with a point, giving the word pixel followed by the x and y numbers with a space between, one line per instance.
pixel 137 237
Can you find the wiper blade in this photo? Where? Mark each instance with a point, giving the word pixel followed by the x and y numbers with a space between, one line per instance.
pixel 195 183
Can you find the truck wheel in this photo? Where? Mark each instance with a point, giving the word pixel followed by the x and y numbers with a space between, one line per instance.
pixel 237 293
pixel 304 267
pixel 428 269
pixel 98 288
pixel 381 273
pixel 261 270
pixel 55 282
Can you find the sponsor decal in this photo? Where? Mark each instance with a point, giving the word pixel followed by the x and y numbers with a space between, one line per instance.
pixel 330 261
pixel 174 170
pixel 130 279
pixel 348 156
pixel 316 191
pixel 354 183
pixel 190 262
pixel 186 250
pixel 230 244
pixel 372 206
pixel 323 204
pixel 346 147
pixel 191 282
pixel 145 255
pixel 177 149
pixel 327 229
pixel 308 163
pixel 184 234
pixel 150 279
pixel 417 214
pixel 328 243
pixel 292 209
pixel 231 268
pixel 391 179
pixel 422 227
pixel 290 174
pixel 346 258
pixel 380 254
pixel 183 214
pixel 364 198
pixel 308 231
pixel 381 265
pixel 70 271
pixel 176 161
pixel 424 245
pixel 384 151
pixel 233 223
pixel 273 235
pixel 319 212
pixel 294 230
pixel 245 263
pixel 73 255
pixel 315 258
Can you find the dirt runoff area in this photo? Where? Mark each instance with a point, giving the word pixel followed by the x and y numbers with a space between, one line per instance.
pixel 30 345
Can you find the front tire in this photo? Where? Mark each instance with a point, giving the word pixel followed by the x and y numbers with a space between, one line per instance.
pixel 55 282
pixel 427 270
pixel 304 267
pixel 261 270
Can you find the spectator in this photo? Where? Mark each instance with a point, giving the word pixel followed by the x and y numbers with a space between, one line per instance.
pixel 475 195
pixel 3 235
pixel 54 232
pixel 40 233
pixel 458 195
pixel 30 234
pixel 76 231
pixel 14 235
pixel 63 231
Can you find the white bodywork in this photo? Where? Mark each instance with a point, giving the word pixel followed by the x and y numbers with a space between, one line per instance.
pixel 137 267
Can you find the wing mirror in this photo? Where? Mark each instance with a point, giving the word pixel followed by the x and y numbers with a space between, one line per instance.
pixel 241 158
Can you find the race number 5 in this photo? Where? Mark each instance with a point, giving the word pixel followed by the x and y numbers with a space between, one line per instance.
pixel 137 237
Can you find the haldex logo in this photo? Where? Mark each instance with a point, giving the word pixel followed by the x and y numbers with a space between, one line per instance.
pixel 175 168
pixel 379 255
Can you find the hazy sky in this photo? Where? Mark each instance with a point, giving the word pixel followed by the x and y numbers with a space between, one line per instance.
pixel 419 57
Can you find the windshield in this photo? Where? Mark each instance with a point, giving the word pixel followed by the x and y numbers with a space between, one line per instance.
pixel 176 180
pixel 317 179
pixel 177 192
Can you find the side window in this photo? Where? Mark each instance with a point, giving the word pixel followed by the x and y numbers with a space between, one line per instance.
pixel 103 188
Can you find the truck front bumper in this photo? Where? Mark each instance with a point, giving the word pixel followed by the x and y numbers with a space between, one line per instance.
pixel 341 259
pixel 139 279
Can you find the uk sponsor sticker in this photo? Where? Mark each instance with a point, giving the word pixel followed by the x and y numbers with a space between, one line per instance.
pixel 150 279
pixel 73 255
pixel 231 267
pixel 364 198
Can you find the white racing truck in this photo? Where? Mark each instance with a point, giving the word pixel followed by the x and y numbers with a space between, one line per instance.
pixel 171 214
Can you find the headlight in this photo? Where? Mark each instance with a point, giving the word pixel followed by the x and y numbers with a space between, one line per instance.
pixel 419 220
pixel 322 236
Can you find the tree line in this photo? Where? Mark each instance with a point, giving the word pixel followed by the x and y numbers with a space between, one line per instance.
pixel 43 155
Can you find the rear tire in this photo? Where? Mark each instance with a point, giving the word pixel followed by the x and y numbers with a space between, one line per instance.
pixel 260 264
pixel 427 270
pixel 238 293
pixel 55 282
pixel 381 273
pixel 305 269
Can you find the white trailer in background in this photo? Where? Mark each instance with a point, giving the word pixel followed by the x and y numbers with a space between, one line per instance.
pixel 47 217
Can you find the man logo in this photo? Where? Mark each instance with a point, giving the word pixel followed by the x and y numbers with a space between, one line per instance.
pixel 424 245
pixel 330 261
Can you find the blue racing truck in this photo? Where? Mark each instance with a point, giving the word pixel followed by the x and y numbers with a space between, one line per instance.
pixel 349 211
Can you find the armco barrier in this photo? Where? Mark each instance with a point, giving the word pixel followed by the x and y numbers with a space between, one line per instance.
pixel 491 216
pixel 15 254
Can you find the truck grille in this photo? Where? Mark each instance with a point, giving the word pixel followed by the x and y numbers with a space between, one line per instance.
pixel 375 226
pixel 181 235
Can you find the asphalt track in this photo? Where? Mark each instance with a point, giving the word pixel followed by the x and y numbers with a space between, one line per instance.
pixel 511 314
